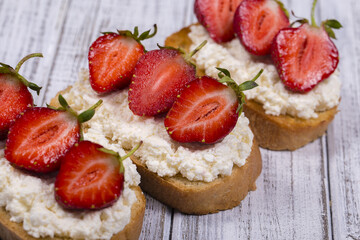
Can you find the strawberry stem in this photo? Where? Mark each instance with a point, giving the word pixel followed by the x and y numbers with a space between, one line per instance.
pixel 82 117
pixel 65 106
pixel 193 52
pixel 6 69
pixel 225 77
pixel 88 114
pixel 135 34
pixel 257 75
pixel 313 22
pixel 131 151
pixel 188 56
pixel 17 68
pixel 117 155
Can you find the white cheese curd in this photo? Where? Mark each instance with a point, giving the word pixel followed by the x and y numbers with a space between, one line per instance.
pixel 30 200
pixel 271 92
pixel 115 121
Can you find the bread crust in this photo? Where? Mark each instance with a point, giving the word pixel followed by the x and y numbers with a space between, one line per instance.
pixel 196 197
pixel 282 132
pixel 285 132
pixel 14 231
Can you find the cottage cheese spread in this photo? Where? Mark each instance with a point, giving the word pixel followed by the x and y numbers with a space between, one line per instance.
pixel 30 200
pixel 115 122
pixel 276 99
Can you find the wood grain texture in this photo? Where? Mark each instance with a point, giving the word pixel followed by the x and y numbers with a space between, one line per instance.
pixel 28 27
pixel 311 193
pixel 343 136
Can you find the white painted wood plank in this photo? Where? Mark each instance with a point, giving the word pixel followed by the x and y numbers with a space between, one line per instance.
pixel 72 50
pixel 290 203
pixel 28 27
pixel 343 134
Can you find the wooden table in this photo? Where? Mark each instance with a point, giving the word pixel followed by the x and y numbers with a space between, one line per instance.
pixel 311 193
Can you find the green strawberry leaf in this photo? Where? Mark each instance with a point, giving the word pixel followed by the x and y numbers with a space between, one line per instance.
pixel 247 85
pixel 333 23
pixel 329 31
pixel 63 102
pixel 7 69
pixel 88 114
pixel 225 77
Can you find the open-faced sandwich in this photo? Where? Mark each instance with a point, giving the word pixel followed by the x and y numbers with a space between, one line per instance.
pixel 299 90
pixel 198 153
pixel 55 182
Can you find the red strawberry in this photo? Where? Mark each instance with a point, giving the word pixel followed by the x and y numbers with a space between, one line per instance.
pixel 112 58
pixel 256 22
pixel 159 76
pixel 41 136
pixel 90 177
pixel 14 94
pixel 305 56
pixel 217 17
pixel 207 111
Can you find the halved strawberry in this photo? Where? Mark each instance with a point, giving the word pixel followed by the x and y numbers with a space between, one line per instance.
pixel 217 17
pixel 159 76
pixel 207 110
pixel 90 177
pixel 112 58
pixel 305 56
pixel 256 22
pixel 41 136
pixel 14 94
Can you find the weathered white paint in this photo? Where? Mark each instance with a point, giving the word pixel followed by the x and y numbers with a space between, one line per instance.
pixel 311 193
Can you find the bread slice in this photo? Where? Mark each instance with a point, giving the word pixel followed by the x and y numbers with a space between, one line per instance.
pixel 14 231
pixel 282 132
pixel 195 197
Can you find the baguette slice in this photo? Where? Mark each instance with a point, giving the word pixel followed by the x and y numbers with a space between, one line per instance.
pixel 196 197
pixel 14 231
pixel 282 132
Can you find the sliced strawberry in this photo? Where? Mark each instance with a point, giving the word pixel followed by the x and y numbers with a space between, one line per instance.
pixel 159 76
pixel 90 177
pixel 206 111
pixel 14 94
pixel 217 17
pixel 14 99
pixel 112 58
pixel 305 56
pixel 256 22
pixel 40 137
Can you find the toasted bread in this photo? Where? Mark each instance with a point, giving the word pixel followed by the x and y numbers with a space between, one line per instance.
pixel 10 230
pixel 283 132
pixel 197 197
pixel 14 231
